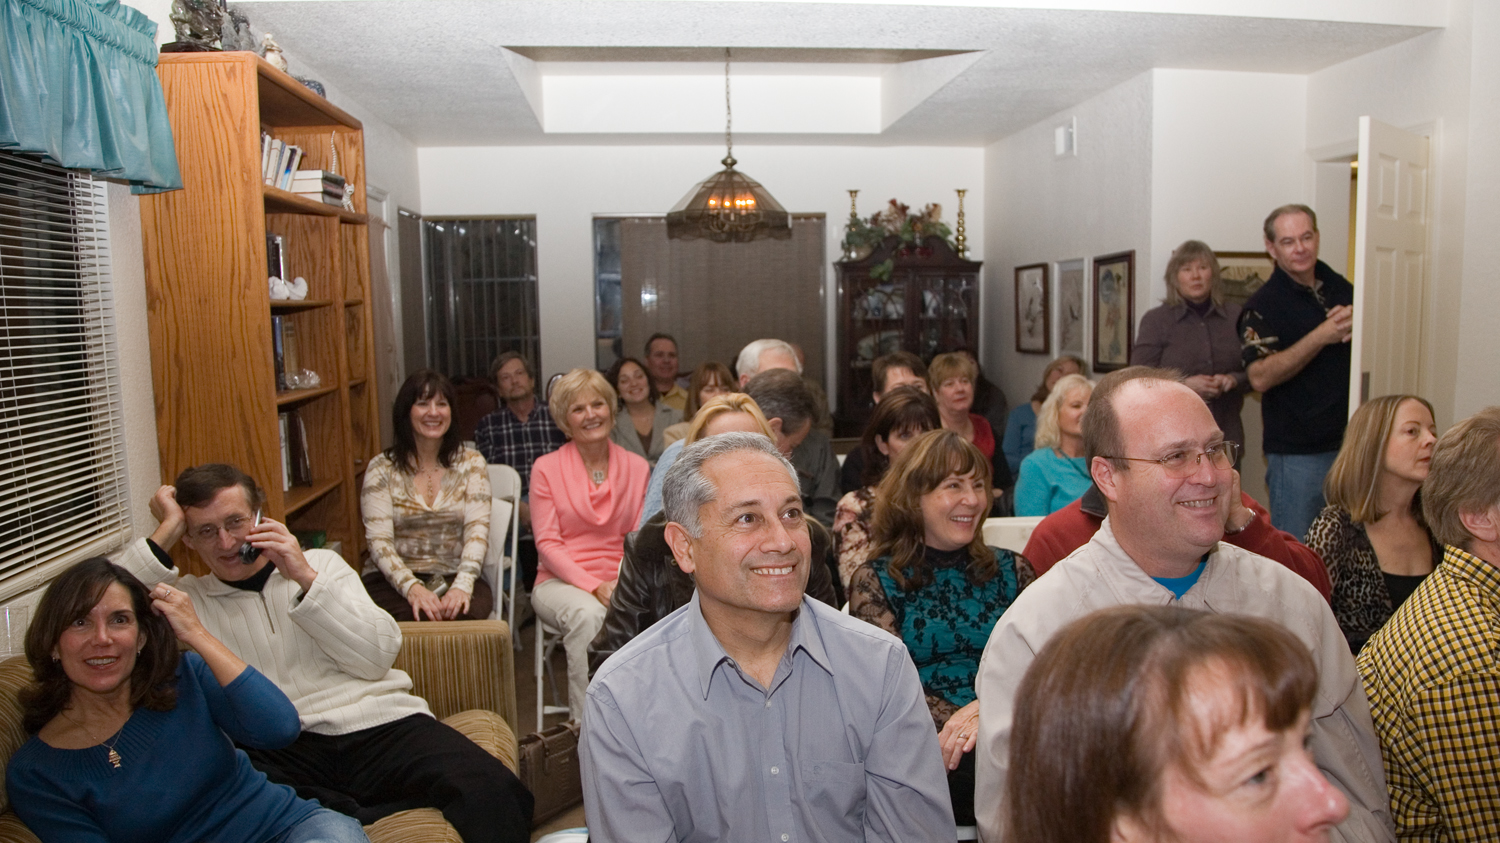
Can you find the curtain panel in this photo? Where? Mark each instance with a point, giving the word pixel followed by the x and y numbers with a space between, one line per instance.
pixel 78 84
pixel 717 297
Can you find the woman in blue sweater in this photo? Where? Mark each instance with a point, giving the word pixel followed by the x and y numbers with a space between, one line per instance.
pixel 1056 473
pixel 131 742
pixel 1020 426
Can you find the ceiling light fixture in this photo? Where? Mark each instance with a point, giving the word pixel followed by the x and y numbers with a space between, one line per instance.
pixel 729 206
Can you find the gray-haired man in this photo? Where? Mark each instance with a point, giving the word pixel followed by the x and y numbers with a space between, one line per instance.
pixel 753 713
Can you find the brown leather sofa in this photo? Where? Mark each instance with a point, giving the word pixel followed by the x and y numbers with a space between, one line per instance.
pixel 464 669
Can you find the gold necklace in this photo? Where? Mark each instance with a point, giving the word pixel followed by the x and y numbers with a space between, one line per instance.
pixel 113 757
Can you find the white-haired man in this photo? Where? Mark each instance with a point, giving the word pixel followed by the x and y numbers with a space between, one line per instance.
pixel 817 467
pixel 753 713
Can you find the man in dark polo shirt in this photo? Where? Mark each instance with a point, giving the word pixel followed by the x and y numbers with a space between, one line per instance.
pixel 1294 336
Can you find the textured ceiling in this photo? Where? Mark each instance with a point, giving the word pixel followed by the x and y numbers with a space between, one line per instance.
pixel 438 71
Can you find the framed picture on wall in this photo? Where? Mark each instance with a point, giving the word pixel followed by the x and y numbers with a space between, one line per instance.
pixel 1242 273
pixel 1033 310
pixel 1070 315
pixel 1114 294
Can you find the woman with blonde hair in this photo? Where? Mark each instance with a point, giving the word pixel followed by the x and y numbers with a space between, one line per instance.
pixel 1371 535
pixel 723 413
pixel 650 585
pixel 585 497
pixel 1195 332
pixel 934 584
pixel 1020 425
pixel 1057 473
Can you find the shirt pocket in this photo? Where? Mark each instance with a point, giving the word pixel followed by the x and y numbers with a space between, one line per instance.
pixel 835 789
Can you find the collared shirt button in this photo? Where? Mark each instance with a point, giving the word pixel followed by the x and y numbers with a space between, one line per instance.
pixel 775 771
pixel 785 837
pixel 768 703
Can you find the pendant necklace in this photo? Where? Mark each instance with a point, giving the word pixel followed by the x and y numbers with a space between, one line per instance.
pixel 113 757
pixel 598 475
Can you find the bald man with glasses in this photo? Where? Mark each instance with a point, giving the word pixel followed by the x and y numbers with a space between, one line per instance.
pixel 1167 476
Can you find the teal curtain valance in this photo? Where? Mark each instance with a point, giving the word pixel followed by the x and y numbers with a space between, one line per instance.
pixel 78 84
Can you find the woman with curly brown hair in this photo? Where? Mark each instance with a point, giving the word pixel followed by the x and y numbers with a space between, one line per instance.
pixel 934 584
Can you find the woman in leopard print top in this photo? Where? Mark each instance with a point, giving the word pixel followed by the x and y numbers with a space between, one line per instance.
pixel 1371 535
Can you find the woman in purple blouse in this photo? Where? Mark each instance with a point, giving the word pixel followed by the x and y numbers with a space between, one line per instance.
pixel 1193 331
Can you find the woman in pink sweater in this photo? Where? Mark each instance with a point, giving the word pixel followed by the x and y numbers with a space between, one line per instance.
pixel 585 497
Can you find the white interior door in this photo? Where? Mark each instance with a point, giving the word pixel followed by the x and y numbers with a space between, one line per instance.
pixel 1390 262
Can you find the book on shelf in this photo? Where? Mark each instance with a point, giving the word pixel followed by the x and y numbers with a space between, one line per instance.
pixel 322 177
pixel 297 458
pixel 278 352
pixel 289 167
pixel 291 360
pixel 279 162
pixel 275 256
pixel 270 157
pixel 319 185
pixel 286 453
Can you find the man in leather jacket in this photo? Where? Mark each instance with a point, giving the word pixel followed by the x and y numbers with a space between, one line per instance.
pixel 651 586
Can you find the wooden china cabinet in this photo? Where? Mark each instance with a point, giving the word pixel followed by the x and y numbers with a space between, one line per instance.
pixel 927 305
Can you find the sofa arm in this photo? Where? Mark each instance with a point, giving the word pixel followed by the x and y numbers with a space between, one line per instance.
pixel 460 665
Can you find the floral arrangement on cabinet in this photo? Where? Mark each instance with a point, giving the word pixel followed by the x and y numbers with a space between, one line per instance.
pixel 896 220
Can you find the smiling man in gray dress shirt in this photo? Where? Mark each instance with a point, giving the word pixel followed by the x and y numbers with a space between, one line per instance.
pixel 752 713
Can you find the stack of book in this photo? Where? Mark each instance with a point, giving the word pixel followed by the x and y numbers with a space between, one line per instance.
pixel 319 184
pixel 279 161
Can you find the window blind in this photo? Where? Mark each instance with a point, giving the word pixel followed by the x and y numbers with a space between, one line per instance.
pixel 63 491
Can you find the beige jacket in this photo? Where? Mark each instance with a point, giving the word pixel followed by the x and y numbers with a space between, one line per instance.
pixel 330 650
pixel 1099 575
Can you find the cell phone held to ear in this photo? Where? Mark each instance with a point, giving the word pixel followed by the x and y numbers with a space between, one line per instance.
pixel 249 552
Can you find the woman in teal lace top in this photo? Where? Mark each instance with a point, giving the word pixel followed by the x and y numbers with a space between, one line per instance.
pixel 936 586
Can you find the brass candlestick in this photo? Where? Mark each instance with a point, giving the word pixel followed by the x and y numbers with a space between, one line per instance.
pixel 959 239
pixel 853 218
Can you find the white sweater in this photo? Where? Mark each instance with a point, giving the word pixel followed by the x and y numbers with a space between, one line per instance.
pixel 330 650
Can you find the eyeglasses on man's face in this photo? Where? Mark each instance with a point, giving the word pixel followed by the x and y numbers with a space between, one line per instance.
pixel 1180 464
pixel 237 526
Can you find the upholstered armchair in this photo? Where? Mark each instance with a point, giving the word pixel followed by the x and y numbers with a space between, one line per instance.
pixel 464 669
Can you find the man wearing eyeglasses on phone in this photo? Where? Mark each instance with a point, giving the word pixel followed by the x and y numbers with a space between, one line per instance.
pixel 1167 476
pixel 369 747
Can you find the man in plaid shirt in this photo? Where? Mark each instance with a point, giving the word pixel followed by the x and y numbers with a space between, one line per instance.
pixel 1431 672
pixel 515 435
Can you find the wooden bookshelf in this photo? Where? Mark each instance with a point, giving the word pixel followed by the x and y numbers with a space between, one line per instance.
pixel 209 306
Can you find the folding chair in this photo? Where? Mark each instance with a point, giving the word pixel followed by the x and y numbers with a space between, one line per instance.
pixel 500 559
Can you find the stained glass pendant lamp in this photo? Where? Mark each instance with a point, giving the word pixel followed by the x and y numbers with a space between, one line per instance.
pixel 728 206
